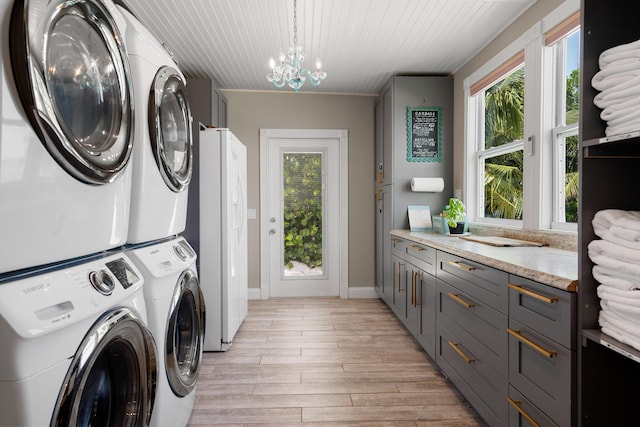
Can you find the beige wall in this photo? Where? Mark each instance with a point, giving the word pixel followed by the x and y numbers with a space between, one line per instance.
pixel 248 112
pixel 535 13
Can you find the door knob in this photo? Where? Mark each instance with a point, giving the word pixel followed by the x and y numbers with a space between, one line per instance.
pixel 272 231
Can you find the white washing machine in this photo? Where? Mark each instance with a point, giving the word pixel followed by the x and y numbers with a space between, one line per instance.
pixel 162 156
pixel 176 313
pixel 75 347
pixel 66 132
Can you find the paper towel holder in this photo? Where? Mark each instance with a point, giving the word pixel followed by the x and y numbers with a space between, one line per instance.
pixel 427 184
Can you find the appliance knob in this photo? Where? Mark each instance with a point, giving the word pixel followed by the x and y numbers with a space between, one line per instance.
pixel 180 252
pixel 102 282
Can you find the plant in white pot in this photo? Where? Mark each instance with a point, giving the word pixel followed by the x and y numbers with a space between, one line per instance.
pixel 455 214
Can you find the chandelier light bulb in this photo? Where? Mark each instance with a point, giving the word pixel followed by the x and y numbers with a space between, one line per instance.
pixel 318 63
pixel 272 63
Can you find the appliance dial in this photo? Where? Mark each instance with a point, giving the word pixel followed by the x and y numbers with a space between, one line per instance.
pixel 102 282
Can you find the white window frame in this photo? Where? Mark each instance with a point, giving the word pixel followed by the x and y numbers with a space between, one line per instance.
pixel 538 144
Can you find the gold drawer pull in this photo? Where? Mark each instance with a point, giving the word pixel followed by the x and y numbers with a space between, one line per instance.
pixel 531 344
pixel 400 264
pixel 378 194
pixel 459 300
pixel 416 248
pixel 462 266
pixel 379 179
pixel 548 300
pixel 394 240
pixel 464 356
pixel 516 404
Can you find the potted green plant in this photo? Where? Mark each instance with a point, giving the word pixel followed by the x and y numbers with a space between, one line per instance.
pixel 455 214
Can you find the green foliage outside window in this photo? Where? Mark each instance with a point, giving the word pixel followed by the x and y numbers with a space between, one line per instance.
pixel 302 175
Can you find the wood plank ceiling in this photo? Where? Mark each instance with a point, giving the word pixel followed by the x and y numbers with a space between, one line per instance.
pixel 361 42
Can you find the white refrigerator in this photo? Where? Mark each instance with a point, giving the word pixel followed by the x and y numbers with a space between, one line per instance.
pixel 222 221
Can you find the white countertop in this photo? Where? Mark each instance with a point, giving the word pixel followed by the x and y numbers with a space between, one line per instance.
pixel 551 266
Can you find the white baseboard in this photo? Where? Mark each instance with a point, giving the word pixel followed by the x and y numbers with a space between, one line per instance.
pixel 358 292
pixel 363 292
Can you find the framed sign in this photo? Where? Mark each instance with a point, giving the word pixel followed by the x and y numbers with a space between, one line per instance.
pixel 424 134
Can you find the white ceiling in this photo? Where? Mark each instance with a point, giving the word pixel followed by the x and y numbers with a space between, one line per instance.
pixel 361 42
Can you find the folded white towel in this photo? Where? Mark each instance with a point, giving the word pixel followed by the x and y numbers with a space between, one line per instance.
pixel 622 331
pixel 611 294
pixel 603 79
pixel 617 52
pixel 632 126
pixel 606 218
pixel 620 236
pixel 628 55
pixel 615 278
pixel 618 94
pixel 602 248
pixel 622 309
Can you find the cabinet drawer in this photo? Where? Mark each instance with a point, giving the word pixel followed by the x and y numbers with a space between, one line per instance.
pixel 543 371
pixel 423 257
pixel 547 310
pixel 397 246
pixel 523 413
pixel 483 283
pixel 481 328
pixel 481 385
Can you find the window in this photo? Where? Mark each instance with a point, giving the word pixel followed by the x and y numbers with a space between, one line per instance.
pixel 522 130
pixel 566 59
pixel 500 139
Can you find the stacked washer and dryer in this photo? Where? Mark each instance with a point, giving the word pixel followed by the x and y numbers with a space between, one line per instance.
pixel 101 313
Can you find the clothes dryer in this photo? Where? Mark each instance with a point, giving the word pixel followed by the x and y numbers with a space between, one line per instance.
pixel 75 347
pixel 66 132
pixel 176 313
pixel 163 155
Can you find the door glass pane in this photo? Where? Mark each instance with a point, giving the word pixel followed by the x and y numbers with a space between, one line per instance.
pixel 302 210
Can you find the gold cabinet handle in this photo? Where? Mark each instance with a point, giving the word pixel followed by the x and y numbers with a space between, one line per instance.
pixel 457 350
pixel 379 178
pixel 462 266
pixel 400 264
pixel 395 240
pixel 531 344
pixel 548 300
pixel 378 194
pixel 416 248
pixel 414 287
pixel 459 300
pixel 516 405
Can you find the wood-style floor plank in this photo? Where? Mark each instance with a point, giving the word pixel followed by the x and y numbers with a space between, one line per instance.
pixel 325 362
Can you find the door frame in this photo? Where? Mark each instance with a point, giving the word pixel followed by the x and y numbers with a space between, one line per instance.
pixel 343 199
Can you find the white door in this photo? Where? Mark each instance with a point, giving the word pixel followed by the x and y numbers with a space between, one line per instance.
pixel 304 243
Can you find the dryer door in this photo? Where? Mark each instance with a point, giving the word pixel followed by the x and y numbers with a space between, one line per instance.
pixel 185 335
pixel 112 379
pixel 170 128
pixel 72 75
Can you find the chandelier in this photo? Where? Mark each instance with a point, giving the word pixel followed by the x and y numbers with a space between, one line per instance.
pixel 289 70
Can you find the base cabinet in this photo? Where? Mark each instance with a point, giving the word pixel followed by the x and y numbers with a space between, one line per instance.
pixel 507 343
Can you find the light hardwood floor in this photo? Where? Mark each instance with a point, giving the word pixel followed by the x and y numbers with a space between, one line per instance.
pixel 325 362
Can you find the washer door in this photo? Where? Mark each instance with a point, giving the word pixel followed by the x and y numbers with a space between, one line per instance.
pixel 185 335
pixel 170 128
pixel 72 75
pixel 112 379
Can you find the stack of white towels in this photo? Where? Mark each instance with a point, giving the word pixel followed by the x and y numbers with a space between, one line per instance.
pixel 619 84
pixel 616 256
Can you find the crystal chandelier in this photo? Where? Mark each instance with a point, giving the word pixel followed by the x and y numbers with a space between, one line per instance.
pixel 291 71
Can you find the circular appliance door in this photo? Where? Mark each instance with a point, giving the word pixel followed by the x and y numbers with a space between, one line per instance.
pixel 72 75
pixel 185 335
pixel 170 128
pixel 112 379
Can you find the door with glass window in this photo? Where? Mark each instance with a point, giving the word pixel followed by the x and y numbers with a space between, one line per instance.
pixel 304 217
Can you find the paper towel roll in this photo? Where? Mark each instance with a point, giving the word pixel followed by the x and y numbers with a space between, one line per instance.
pixel 432 185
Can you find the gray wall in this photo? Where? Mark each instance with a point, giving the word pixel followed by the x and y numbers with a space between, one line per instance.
pixel 248 112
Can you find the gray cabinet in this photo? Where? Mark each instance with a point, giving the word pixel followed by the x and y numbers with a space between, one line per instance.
pixel 471 323
pixel 506 342
pixel 393 171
